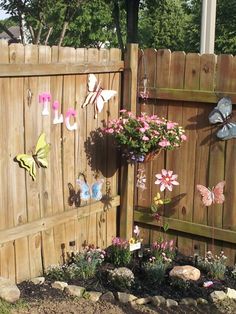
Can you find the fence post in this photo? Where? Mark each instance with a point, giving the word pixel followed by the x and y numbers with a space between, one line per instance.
pixel 127 171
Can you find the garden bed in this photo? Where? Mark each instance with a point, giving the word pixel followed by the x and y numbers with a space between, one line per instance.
pixel 42 298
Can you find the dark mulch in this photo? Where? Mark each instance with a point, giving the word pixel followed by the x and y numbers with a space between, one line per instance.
pixel 44 299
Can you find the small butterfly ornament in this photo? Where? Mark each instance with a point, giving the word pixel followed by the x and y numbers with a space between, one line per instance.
pixel 212 196
pixel 96 95
pixel 222 114
pixel 39 157
pixel 74 197
pixel 88 191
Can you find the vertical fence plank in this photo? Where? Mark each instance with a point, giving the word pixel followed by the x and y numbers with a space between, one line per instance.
pixel 217 151
pixel 173 158
pixel 163 61
pixel 192 70
pixel 207 76
pixel 149 69
pixel 45 174
pixel 16 141
pixel 80 139
pixel 32 112
pixel 112 158
pixel 7 252
pixel 101 157
pixel 229 217
pixel 93 56
pixel 127 171
pixel 56 85
pixel 68 55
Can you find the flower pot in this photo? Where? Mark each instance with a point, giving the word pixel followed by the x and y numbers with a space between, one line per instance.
pixel 152 155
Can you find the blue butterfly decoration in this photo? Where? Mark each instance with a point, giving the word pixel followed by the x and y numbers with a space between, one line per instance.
pixel 90 191
pixel 222 114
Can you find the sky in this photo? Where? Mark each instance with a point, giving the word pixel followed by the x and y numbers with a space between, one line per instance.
pixel 3 15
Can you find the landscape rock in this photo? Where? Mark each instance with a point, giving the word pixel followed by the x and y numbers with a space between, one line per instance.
pixel 108 296
pixel 94 295
pixel 201 301
pixel 38 280
pixel 158 300
pixel 186 272
pixel 142 301
pixel 8 290
pixel 188 301
pixel 125 297
pixel 59 285
pixel 170 303
pixel 218 296
pixel 231 293
pixel 76 291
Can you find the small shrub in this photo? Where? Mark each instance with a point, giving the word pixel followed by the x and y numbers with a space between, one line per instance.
pixel 83 265
pixel 118 253
pixel 155 270
pixel 86 262
pixel 121 278
pixel 233 272
pixel 213 265
pixel 179 283
pixel 56 272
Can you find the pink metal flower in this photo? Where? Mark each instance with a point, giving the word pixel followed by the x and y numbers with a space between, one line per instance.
pixel 166 179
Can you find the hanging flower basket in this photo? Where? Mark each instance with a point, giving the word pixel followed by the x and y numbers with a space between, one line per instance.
pixel 141 138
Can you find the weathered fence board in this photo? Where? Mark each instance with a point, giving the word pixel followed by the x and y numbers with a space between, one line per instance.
pixel 188 86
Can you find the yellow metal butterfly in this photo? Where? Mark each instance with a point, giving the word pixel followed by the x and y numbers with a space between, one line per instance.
pixel 39 157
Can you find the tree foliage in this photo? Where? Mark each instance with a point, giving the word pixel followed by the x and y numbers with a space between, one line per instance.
pixel 173 24
pixel 162 24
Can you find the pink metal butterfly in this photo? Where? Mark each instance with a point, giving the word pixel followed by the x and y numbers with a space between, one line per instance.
pixel 212 196
pixel 97 95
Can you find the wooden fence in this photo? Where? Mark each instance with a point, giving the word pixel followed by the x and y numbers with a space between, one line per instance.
pixel 185 88
pixel 37 226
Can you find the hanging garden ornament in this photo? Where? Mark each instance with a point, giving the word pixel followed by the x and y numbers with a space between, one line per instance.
pixel 144 93
pixel 141 179
pixel 44 99
pixel 222 114
pixel 90 191
pixel 70 113
pixel 38 158
pixel 212 196
pixel 57 119
pixel 97 96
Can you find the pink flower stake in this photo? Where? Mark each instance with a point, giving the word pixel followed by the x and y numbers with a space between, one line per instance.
pixel 166 179
pixel 44 98
pixel 56 119
pixel 70 112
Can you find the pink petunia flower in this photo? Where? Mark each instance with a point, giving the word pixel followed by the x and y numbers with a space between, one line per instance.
pixel 164 143
pixel 166 179
pixel 142 130
pixel 183 137
pixel 145 138
pixel 170 125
